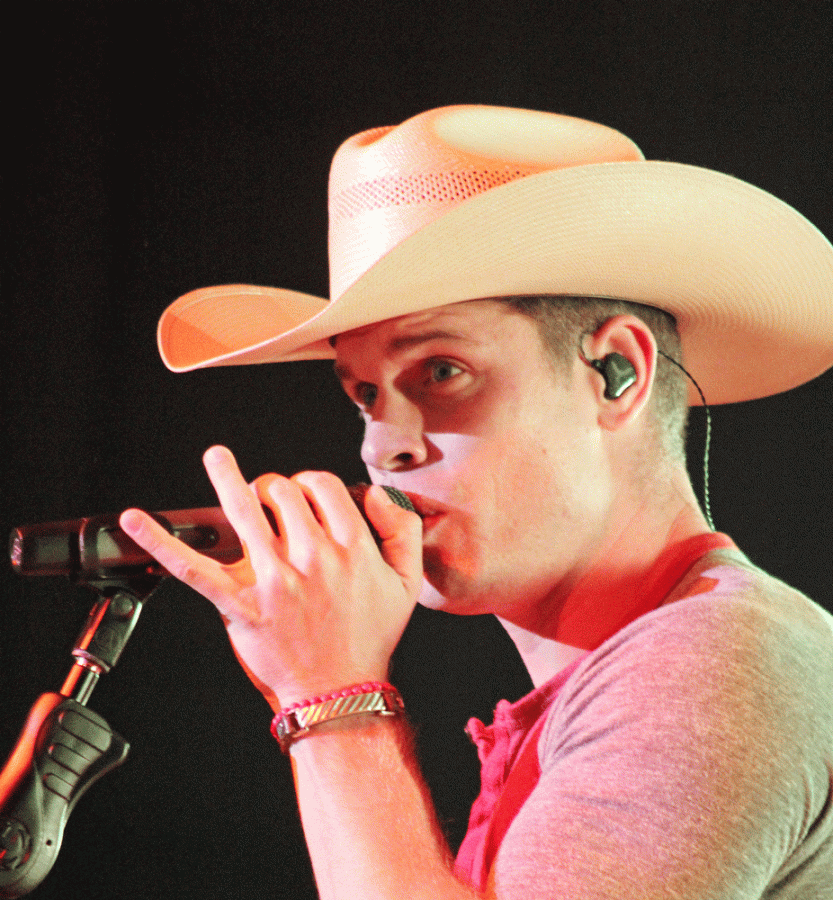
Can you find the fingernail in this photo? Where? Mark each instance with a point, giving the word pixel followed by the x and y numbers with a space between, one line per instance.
pixel 130 520
pixel 214 454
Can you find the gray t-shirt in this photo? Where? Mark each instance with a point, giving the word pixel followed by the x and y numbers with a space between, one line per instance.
pixel 690 756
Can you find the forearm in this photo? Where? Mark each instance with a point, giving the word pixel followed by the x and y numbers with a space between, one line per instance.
pixel 368 817
pixel 311 608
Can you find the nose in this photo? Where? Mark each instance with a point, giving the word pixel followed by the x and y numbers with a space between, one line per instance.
pixel 392 445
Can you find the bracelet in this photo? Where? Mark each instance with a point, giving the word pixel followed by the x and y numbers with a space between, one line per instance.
pixel 295 721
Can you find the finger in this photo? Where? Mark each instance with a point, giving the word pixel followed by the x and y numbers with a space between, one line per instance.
pixel 202 573
pixel 333 507
pixel 261 489
pixel 306 535
pixel 240 505
pixel 401 533
pixel 286 507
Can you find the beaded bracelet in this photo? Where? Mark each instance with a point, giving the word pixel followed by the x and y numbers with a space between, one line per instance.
pixel 295 721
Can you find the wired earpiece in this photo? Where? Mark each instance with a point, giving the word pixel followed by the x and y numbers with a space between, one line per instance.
pixel 707 506
pixel 618 373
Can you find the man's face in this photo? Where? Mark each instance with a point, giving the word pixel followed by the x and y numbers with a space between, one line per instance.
pixel 500 453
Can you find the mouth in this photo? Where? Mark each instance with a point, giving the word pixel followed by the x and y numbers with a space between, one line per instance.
pixel 428 510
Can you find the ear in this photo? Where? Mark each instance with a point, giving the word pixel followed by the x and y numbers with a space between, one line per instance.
pixel 631 338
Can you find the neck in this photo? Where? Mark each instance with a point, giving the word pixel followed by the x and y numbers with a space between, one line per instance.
pixel 610 591
pixel 543 657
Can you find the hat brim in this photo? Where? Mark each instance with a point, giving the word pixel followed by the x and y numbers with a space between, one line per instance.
pixel 748 278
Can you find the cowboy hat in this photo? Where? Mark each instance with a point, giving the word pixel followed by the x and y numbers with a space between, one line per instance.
pixel 468 202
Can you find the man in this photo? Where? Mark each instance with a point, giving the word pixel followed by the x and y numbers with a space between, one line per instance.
pixel 679 741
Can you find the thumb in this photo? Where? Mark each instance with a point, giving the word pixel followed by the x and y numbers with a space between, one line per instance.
pixel 401 533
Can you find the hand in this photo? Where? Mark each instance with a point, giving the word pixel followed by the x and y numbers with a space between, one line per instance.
pixel 315 607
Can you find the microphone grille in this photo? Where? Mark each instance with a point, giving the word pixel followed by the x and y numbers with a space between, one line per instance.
pixel 357 492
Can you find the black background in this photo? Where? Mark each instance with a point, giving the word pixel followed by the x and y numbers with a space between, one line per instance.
pixel 154 148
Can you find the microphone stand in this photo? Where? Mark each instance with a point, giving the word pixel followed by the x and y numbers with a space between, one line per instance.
pixel 65 747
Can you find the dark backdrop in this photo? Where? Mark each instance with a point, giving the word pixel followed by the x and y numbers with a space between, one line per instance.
pixel 154 148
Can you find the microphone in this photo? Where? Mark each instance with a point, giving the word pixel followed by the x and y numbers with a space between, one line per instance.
pixel 96 547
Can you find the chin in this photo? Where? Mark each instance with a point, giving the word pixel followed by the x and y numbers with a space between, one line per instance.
pixel 452 597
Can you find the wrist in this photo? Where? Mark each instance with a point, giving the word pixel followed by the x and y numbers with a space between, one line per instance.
pixel 299 719
pixel 312 686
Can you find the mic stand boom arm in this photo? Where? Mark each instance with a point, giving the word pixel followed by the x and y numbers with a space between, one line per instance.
pixel 65 747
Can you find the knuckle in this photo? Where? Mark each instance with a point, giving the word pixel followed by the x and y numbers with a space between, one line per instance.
pixel 317 479
pixel 290 584
pixel 307 560
pixel 264 482
pixel 186 571
pixel 241 507
pixel 360 541
pixel 266 487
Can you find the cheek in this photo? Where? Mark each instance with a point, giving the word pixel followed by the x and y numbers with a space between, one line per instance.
pixel 535 474
pixel 550 484
pixel 493 483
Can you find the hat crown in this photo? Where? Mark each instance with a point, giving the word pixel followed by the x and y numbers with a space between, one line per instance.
pixel 389 182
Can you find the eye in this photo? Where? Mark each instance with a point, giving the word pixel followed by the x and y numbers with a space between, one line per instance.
pixel 440 370
pixel 366 394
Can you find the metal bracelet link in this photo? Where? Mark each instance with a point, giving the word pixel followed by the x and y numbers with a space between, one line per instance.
pixel 296 721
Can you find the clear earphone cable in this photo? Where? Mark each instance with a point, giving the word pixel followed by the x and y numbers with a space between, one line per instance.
pixel 708 439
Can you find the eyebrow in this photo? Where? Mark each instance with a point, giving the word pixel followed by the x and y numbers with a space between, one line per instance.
pixel 405 342
pixel 413 340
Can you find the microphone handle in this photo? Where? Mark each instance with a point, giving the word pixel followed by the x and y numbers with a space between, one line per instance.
pixel 97 547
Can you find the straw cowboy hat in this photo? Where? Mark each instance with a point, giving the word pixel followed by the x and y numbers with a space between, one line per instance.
pixel 468 202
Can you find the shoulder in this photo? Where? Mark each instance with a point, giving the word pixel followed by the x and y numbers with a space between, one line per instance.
pixel 737 665
pixel 729 614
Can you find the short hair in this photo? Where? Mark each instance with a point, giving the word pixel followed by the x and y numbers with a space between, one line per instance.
pixel 563 321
